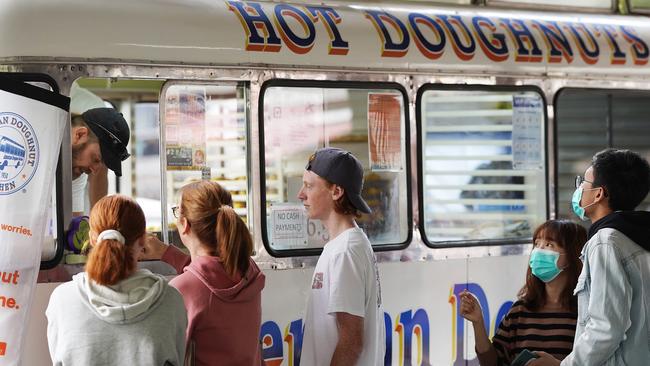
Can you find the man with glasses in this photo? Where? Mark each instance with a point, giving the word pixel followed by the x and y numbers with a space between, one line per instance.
pixel 613 289
pixel 99 137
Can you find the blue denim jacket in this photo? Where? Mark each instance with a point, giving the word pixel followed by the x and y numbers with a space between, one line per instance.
pixel 613 303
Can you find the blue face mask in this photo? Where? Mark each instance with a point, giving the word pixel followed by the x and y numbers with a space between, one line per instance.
pixel 575 203
pixel 543 264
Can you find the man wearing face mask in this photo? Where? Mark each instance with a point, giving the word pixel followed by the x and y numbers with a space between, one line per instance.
pixel 613 289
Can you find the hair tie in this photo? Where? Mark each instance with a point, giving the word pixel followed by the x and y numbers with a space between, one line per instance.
pixel 111 234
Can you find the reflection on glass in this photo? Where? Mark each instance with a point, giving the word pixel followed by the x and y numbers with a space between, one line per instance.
pixel 369 123
pixel 590 120
pixel 146 161
pixel 205 138
pixel 483 164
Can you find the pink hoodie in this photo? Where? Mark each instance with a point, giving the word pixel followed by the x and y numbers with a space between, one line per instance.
pixel 224 315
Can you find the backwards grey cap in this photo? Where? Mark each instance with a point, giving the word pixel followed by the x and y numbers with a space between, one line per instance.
pixel 341 168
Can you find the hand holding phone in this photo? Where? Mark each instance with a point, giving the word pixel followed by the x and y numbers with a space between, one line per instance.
pixel 523 358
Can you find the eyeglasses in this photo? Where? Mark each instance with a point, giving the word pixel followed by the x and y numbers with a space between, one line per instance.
pixel 176 211
pixel 580 180
pixel 118 145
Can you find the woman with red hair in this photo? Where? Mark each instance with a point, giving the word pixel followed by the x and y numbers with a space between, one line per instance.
pixel 114 313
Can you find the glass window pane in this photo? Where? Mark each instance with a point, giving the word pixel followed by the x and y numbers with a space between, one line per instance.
pixel 581 125
pixel 368 122
pixel 630 127
pixel 145 157
pixel 483 164
pixel 137 100
pixel 591 120
pixel 205 138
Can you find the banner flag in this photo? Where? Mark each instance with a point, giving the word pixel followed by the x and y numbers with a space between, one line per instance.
pixel 32 123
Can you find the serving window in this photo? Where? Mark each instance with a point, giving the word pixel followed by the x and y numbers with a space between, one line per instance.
pixel 181 132
pixel 204 138
pixel 368 120
pixel 482 164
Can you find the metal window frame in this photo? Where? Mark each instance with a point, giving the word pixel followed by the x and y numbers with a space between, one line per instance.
pixel 420 166
pixel 331 84
pixel 162 102
pixel 609 92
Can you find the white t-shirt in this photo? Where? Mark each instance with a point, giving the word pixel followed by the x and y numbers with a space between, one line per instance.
pixel 346 279
pixel 79 195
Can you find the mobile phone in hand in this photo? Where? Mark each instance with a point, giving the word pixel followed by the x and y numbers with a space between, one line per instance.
pixel 523 358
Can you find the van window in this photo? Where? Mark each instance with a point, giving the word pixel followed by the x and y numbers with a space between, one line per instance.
pixel 367 120
pixel 201 130
pixel 588 121
pixel 483 164
pixel 137 100
pixel 204 138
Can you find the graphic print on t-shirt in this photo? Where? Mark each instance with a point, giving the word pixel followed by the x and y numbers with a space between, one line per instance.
pixel 318 281
pixel 374 263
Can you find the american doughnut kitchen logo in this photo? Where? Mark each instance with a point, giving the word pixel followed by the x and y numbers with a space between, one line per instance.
pixel 19 152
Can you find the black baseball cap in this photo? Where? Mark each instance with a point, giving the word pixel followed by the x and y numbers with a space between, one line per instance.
pixel 113 134
pixel 341 168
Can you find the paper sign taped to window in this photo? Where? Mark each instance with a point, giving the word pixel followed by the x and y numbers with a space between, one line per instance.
pixel 385 131
pixel 288 226
pixel 527 122
pixel 184 121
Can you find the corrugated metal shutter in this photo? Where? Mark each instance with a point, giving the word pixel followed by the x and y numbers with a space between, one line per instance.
pixel 591 120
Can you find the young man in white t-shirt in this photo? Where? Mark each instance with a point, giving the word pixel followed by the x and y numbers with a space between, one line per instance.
pixel 344 323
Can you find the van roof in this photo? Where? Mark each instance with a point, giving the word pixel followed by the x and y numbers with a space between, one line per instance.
pixel 355 35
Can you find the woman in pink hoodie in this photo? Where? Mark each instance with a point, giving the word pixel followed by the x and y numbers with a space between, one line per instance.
pixel 220 283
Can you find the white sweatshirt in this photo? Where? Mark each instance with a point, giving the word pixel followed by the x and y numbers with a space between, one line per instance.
pixel 139 321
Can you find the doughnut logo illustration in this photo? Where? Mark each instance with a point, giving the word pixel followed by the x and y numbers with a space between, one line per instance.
pixel 19 153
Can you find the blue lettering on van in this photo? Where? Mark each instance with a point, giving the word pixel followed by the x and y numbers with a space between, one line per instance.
pixel 461 39
pixel 491 42
pixel 255 21
pixel 557 43
pixel 330 19
pixel 523 39
pixel 430 48
pixel 585 42
pixel 294 41
pixel 271 338
pixel 391 47
pixel 638 47
pixel 262 29
pixel 617 56
pixel 268 30
pixel 410 334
